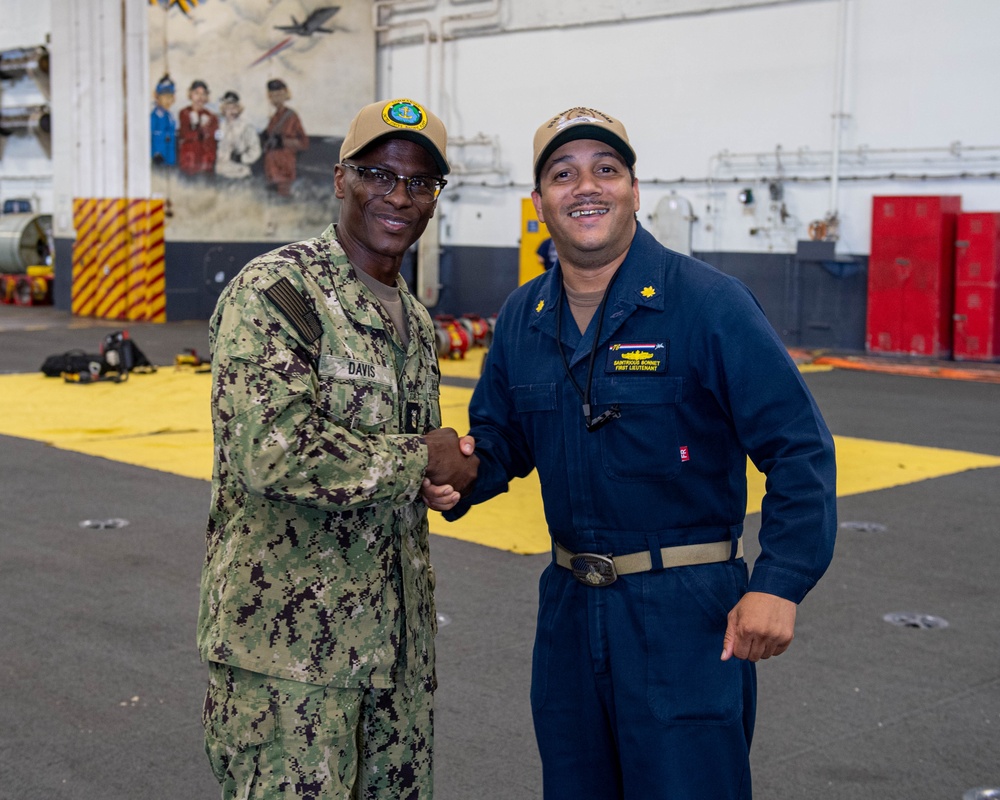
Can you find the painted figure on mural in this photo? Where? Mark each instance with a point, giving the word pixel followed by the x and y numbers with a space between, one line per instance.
pixel 239 145
pixel 162 125
pixel 196 134
pixel 282 140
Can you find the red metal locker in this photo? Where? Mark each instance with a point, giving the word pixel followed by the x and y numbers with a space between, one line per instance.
pixel 977 287
pixel 911 275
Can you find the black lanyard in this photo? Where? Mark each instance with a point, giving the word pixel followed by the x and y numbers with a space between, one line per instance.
pixel 615 411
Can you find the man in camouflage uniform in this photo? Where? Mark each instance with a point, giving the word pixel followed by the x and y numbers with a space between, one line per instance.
pixel 317 611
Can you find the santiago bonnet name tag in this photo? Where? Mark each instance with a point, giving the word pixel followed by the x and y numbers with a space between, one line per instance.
pixel 636 358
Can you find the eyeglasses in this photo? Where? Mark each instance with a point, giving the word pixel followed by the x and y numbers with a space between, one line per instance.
pixel 377 181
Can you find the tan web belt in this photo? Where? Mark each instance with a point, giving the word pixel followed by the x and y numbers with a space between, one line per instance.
pixel 594 569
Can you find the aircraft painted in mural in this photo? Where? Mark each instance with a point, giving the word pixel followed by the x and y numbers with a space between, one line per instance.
pixel 311 24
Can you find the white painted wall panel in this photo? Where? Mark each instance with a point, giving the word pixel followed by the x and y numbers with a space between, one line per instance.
pixel 100 96
pixel 750 80
pixel 691 80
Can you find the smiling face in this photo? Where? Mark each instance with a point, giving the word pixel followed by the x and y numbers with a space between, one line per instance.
pixel 376 230
pixel 587 199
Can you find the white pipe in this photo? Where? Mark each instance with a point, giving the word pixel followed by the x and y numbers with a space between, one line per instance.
pixel 644 16
pixel 954 149
pixel 486 13
pixel 407 5
pixel 838 105
pixel 492 12
pixel 426 25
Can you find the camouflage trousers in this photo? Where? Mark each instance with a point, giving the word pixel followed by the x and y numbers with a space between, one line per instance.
pixel 270 738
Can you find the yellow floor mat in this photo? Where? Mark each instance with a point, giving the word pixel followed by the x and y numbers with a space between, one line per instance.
pixel 162 421
pixel 468 367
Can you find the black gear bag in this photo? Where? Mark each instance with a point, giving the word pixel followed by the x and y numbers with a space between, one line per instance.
pixel 75 361
pixel 123 356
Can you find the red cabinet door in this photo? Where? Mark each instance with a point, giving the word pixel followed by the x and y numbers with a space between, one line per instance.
pixel 976 317
pixel 911 274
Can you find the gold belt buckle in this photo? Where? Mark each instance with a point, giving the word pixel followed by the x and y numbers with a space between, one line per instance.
pixel 592 569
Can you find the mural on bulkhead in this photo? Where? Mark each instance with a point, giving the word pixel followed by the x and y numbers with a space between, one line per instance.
pixel 250 102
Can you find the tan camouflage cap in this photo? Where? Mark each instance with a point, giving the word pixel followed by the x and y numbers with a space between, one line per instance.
pixel 403 119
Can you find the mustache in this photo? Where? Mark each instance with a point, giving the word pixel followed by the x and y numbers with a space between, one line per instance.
pixel 581 204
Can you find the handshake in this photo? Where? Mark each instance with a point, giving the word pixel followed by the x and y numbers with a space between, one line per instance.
pixel 452 467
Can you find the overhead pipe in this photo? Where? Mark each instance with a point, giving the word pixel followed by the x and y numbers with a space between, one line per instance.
pixel 492 12
pixel 648 15
pixel 862 155
pixel 838 109
pixel 385 27
pixel 432 33
pixel 785 178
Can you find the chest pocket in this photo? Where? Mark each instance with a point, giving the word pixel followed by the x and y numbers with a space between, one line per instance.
pixel 643 444
pixel 359 394
pixel 534 404
pixel 534 397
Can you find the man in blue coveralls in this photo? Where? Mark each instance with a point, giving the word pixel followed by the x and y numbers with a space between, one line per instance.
pixel 637 381
pixel 162 125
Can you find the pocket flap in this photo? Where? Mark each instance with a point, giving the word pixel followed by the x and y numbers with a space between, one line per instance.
pixel 535 397
pixel 241 724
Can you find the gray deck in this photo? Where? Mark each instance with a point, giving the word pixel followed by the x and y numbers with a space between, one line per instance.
pixel 103 686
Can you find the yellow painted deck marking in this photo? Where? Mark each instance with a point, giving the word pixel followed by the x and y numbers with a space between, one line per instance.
pixel 162 421
pixel 468 367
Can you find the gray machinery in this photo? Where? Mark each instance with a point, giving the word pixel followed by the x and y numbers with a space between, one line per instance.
pixel 670 223
pixel 25 241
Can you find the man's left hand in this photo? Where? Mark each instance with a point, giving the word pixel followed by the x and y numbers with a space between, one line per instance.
pixel 439 498
pixel 760 626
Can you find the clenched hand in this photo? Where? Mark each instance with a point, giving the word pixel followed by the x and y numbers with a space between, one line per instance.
pixel 760 626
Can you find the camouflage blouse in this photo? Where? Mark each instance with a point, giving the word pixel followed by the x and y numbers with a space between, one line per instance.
pixel 317 566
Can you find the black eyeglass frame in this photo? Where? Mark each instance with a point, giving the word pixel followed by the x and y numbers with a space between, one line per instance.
pixel 437 183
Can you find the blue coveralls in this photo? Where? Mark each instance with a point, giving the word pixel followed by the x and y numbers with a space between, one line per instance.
pixel 163 136
pixel 629 696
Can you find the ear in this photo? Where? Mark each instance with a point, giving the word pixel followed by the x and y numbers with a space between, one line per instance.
pixel 338 181
pixel 536 199
pixel 635 194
